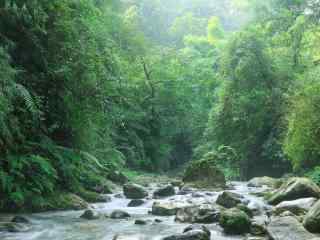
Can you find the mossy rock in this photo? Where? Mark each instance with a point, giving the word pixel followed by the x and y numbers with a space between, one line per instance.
pixel 235 221
pixel 61 201
pixel 204 173
pixel 91 197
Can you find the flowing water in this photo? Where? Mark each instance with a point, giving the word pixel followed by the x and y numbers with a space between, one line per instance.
pixel 67 225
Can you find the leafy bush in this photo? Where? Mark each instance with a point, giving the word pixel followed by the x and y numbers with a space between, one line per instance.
pixel 27 177
pixel 314 175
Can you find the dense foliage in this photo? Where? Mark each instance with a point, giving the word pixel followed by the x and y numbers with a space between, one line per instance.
pixel 92 86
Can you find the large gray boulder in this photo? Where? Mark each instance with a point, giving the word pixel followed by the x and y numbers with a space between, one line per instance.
pixel 264 181
pixel 235 221
pixel 295 188
pixel 297 207
pixel 312 219
pixel 288 228
pixel 167 208
pixel 229 199
pixel 134 191
pixel 199 214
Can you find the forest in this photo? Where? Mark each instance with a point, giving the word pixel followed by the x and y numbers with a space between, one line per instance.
pixel 97 89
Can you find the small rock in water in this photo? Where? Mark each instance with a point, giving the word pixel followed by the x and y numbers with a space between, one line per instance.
pixel 119 214
pixel 135 203
pixel 177 183
pixel 13 227
pixel 20 219
pixel 197 227
pixel 197 195
pixel 158 220
pixel 90 215
pixel 119 195
pixel 190 235
pixel 140 222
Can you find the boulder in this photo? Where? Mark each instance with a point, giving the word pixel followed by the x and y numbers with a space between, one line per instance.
pixel 176 183
pixel 136 203
pixel 165 191
pixel 117 177
pixel 312 219
pixel 166 208
pixel 14 227
pixel 90 215
pixel 130 237
pixel 197 227
pixel 204 173
pixel 62 202
pixel 295 188
pixel 264 181
pixel 297 207
pixel 229 199
pixel 118 214
pixel 259 225
pixel 190 235
pixel 20 219
pixel 235 221
pixel 134 191
pixel 288 228
pixel 198 214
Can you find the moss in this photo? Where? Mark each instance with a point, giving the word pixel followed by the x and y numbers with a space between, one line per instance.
pixel 204 173
pixel 235 221
pixel 89 196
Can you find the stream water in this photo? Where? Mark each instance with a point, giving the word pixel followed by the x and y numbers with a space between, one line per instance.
pixel 67 225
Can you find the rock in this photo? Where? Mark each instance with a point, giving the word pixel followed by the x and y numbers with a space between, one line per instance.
pixel 136 203
pixel 65 201
pixel 235 221
pixel 130 237
pixel 295 188
pixel 229 199
pixel 189 235
pixel 158 220
pixel 197 195
pixel 312 219
pixel 245 209
pixel 204 173
pixel 20 219
pixel 197 227
pixel 134 191
pixel 140 222
pixel 288 228
pixel 176 183
pixel 118 177
pixel 259 225
pixel 118 214
pixel 166 208
pixel 198 214
pixel 166 191
pixel 90 215
pixel 13 227
pixel 119 195
pixel 297 207
pixel 264 181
